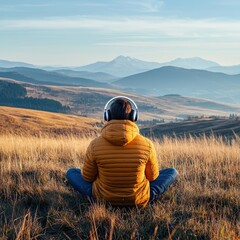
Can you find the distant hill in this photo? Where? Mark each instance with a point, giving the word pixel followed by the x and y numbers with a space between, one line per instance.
pixel 191 63
pixel 226 69
pixel 10 64
pixel 226 128
pixel 14 95
pixel 199 103
pixel 96 76
pixel 39 76
pixel 13 64
pixel 90 102
pixel 31 122
pixel 159 81
pixel 123 66
pixel 187 82
pixel 120 66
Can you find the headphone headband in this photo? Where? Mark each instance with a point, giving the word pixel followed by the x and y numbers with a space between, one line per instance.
pixel 119 97
pixel 133 104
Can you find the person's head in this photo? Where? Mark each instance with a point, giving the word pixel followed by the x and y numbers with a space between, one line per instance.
pixel 120 109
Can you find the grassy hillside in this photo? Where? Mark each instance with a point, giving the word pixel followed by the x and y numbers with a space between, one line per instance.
pixel 90 102
pixel 227 128
pixel 30 122
pixel 36 201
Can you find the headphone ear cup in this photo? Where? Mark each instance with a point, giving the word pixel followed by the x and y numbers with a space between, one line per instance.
pixel 105 115
pixel 108 117
pixel 132 116
pixel 136 116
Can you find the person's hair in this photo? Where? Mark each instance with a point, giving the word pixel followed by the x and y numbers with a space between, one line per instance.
pixel 120 109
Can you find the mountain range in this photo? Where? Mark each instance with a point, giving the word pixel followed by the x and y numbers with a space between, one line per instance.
pixel 191 63
pixel 39 76
pixel 96 76
pixel 123 66
pixel 226 69
pixel 157 82
pixel 187 82
pixel 120 66
pixel 11 64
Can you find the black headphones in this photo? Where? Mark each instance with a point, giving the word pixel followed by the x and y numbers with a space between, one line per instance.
pixel 133 116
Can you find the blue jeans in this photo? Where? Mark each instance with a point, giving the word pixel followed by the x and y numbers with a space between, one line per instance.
pixel 166 177
pixel 74 176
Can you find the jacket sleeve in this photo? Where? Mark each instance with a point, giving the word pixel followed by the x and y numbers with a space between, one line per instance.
pixel 89 170
pixel 152 169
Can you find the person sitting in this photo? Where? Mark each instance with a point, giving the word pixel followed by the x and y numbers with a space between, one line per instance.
pixel 121 166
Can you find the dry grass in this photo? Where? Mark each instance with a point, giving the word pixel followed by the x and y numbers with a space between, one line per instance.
pixel 36 202
pixel 31 122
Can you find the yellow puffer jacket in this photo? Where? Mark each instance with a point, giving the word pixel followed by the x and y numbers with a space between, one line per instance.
pixel 120 163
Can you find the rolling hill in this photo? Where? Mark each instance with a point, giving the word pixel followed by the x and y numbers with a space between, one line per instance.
pixel 226 128
pixel 10 64
pixel 187 82
pixel 160 81
pixel 31 122
pixel 90 102
pixel 13 94
pixel 226 69
pixel 39 76
pixel 96 76
pixel 191 63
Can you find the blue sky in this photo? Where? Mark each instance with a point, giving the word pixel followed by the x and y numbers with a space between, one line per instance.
pixel 76 32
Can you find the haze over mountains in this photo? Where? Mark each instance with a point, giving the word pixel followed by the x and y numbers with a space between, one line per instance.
pixel 39 76
pixel 226 69
pixel 97 76
pixel 10 64
pixel 187 82
pixel 187 77
pixel 123 66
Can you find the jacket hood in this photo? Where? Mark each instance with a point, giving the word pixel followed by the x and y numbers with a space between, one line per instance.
pixel 120 132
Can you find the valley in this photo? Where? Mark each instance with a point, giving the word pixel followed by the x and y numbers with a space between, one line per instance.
pixel 90 102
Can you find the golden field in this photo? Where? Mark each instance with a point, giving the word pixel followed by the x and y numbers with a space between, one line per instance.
pixel 21 121
pixel 36 202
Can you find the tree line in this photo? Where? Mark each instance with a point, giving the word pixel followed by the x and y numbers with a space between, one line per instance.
pixel 14 95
